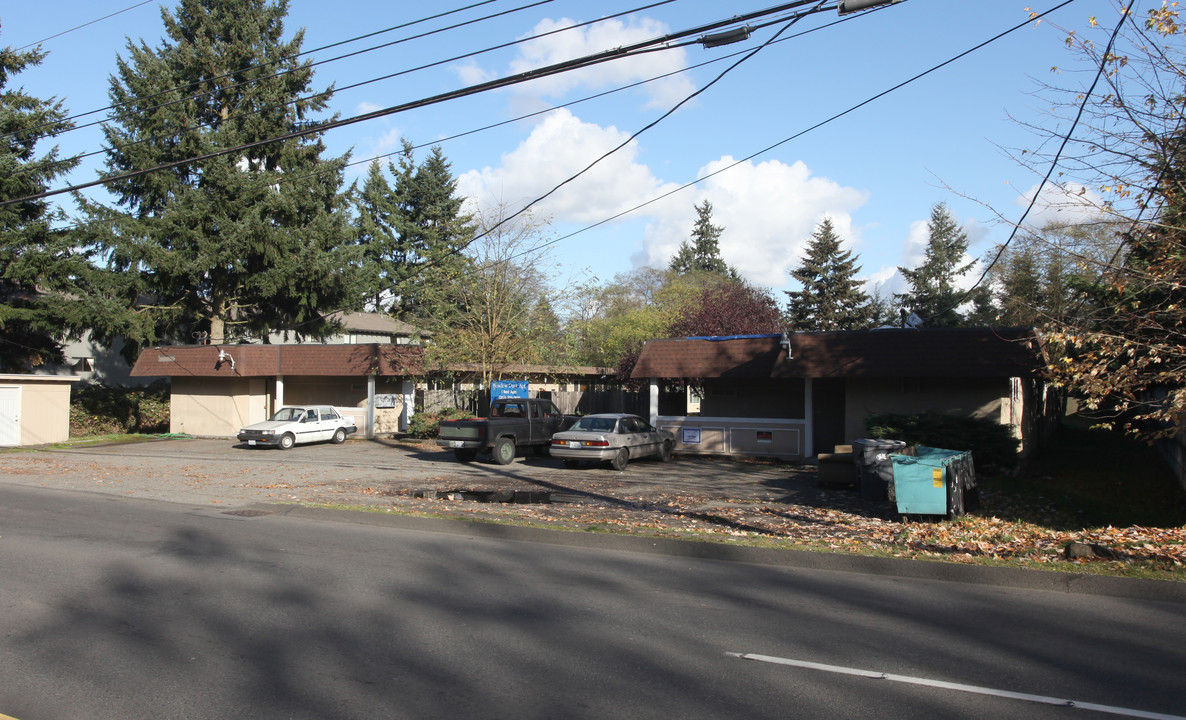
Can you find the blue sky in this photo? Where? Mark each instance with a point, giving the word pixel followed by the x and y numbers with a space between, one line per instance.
pixel 876 172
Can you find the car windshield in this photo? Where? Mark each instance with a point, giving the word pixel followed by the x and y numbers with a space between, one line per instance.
pixel 289 414
pixel 595 424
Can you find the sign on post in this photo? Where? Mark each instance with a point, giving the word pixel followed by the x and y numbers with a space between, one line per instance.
pixel 506 389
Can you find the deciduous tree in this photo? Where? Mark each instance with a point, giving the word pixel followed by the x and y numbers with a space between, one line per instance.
pixel 1125 352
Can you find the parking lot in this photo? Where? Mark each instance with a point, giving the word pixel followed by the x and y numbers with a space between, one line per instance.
pixel 418 477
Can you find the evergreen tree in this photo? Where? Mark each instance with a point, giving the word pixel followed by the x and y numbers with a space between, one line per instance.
pixel 832 298
pixel 414 233
pixel 38 266
pixel 239 244
pixel 933 293
pixel 703 252
pixel 378 213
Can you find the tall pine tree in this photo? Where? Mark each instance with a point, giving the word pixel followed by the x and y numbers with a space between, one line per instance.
pixel 414 234
pixel 934 295
pixel 39 267
pixel 832 298
pixel 703 252
pixel 239 244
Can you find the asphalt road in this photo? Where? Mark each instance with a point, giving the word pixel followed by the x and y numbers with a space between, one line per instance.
pixel 117 607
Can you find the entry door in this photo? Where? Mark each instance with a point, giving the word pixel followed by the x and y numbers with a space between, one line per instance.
pixel 10 416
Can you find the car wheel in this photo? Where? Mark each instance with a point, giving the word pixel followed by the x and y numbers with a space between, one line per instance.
pixel 621 460
pixel 571 463
pixel 286 441
pixel 340 435
pixel 504 451
pixel 665 451
pixel 465 454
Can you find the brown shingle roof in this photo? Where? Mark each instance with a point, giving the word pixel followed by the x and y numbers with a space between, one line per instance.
pixel 928 352
pixel 744 357
pixel 273 360
pixel 375 323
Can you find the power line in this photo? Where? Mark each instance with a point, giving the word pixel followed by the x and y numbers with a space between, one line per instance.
pixel 389 76
pixel 803 132
pixel 86 24
pixel 287 58
pixel 498 83
pixel 1066 139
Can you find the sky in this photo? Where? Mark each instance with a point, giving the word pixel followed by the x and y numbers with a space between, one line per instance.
pixel 758 141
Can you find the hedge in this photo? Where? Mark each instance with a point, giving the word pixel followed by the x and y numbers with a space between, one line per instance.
pixel 992 444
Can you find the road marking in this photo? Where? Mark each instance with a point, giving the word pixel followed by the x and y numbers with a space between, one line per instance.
pixel 875 675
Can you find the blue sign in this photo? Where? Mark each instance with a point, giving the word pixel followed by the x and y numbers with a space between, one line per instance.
pixel 505 389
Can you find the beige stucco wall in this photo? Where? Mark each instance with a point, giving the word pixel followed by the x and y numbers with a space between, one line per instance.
pixel 46 413
pixel 219 407
pixel 44 407
pixel 210 407
pixel 968 397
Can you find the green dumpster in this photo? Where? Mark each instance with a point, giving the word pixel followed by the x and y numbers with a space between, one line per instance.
pixel 933 481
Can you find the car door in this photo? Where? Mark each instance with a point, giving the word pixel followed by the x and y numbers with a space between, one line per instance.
pixel 634 439
pixel 330 422
pixel 312 427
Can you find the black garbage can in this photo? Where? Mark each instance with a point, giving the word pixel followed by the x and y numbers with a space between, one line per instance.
pixel 876 469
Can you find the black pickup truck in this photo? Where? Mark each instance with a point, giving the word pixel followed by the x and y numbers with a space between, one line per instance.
pixel 512 424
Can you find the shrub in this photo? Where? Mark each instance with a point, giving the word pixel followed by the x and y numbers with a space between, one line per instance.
pixel 992 444
pixel 102 410
pixel 426 425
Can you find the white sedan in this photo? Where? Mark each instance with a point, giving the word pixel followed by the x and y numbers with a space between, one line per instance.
pixel 616 437
pixel 292 425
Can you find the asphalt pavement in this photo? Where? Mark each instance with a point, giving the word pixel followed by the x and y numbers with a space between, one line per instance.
pixel 417 486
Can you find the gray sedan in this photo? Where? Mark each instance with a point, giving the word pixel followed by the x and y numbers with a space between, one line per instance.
pixel 616 437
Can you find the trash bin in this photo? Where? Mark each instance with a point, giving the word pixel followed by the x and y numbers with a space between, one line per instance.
pixel 874 466
pixel 933 481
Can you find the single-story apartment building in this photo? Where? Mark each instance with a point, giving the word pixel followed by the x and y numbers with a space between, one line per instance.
pixel 217 389
pixel 797 395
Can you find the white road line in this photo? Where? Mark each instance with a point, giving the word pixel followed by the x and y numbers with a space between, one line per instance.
pixel 873 674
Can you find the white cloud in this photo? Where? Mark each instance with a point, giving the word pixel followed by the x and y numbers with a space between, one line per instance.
pixel 768 211
pixel 588 40
pixel 558 148
pixel 887 280
pixel 472 74
pixel 1067 205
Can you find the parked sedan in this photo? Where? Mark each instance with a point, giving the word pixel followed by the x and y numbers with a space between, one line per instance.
pixel 292 425
pixel 616 437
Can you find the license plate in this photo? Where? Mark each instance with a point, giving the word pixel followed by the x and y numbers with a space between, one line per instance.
pixel 457 444
pixel 250 442
pixel 573 444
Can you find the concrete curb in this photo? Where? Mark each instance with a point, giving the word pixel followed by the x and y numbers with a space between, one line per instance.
pixel 1080 584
